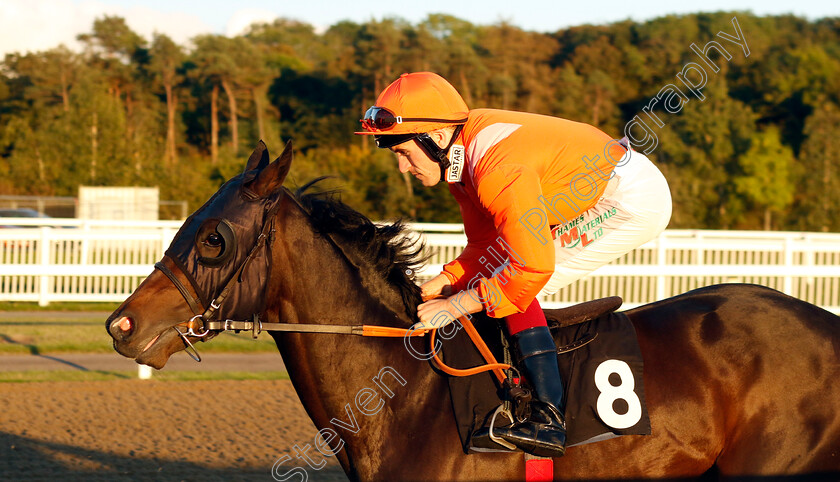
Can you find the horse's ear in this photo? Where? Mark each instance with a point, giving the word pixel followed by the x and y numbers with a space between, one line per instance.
pixel 271 178
pixel 259 158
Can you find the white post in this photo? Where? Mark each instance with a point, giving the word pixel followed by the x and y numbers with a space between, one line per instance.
pixel 44 255
pixel 809 256
pixel 84 259
pixel 144 372
pixel 698 238
pixel 660 265
pixel 166 235
pixel 788 283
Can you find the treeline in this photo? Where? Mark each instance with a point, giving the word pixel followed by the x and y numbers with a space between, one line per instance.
pixel 761 150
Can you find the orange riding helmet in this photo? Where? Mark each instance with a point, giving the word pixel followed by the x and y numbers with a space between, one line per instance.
pixel 412 106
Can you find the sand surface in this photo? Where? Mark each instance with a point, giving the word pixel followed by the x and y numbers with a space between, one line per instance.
pixel 153 430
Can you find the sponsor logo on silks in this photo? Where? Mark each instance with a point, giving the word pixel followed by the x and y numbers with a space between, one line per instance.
pixel 456 168
pixel 571 238
pixel 573 233
pixel 562 228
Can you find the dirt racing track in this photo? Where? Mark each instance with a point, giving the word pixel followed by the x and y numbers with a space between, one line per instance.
pixel 145 429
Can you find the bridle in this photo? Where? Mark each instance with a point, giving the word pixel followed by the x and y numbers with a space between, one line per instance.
pixel 202 324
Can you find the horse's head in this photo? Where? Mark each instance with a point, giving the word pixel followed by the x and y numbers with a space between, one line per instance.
pixel 216 266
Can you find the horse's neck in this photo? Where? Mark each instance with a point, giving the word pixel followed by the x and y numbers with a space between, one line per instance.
pixel 366 389
pixel 319 267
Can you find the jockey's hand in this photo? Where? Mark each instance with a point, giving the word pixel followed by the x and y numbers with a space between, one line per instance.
pixel 440 312
pixel 436 313
pixel 437 286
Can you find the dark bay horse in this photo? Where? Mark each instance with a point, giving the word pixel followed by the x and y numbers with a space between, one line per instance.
pixel 741 381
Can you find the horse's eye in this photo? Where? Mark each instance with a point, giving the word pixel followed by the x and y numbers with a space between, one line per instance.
pixel 214 241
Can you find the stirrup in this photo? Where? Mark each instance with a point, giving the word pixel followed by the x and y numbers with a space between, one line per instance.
pixel 485 440
pixel 493 437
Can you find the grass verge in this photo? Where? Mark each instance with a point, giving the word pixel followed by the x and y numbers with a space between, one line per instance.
pixel 98 375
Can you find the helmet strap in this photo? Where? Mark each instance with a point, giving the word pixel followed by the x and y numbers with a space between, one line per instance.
pixel 435 152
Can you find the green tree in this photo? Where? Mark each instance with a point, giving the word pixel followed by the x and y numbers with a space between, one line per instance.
pixel 379 48
pixel 113 46
pixel 166 58
pixel 767 181
pixel 215 65
pixel 460 60
pixel 594 63
pixel 342 59
pixel 698 151
pixel 819 159
pixel 255 76
pixel 290 44
pixel 518 62
pixel 50 75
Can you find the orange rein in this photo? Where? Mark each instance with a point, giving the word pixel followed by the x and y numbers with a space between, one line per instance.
pixel 492 363
pixel 364 330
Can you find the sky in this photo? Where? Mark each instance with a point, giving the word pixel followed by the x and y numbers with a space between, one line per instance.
pixel 35 25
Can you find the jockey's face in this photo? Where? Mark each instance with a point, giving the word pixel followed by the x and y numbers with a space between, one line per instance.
pixel 414 160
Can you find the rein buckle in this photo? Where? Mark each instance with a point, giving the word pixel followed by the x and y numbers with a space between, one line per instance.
pixel 191 325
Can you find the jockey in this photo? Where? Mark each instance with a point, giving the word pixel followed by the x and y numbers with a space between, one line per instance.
pixel 545 201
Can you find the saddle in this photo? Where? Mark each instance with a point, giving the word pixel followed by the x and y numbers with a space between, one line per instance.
pixel 586 334
pixel 589 310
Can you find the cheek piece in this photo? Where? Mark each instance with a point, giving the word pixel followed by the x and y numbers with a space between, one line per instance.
pixel 435 152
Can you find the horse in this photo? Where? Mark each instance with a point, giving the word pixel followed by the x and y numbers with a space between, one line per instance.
pixel 740 380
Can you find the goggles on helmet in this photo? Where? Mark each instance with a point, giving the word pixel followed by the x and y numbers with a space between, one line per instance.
pixel 382 119
pixel 384 141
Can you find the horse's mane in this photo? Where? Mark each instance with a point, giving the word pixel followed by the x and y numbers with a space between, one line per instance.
pixel 385 249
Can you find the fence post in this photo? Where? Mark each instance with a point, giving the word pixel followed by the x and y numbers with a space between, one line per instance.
pixel 144 372
pixel 166 235
pixel 661 260
pixel 84 259
pixel 699 252
pixel 44 258
pixel 788 282
pixel 809 257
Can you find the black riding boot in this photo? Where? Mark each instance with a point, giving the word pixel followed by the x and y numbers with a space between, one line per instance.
pixel 544 432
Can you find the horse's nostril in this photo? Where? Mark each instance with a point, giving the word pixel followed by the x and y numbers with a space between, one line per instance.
pixel 125 323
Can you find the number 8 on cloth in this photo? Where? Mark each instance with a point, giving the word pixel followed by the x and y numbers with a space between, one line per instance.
pixel 611 393
pixel 606 390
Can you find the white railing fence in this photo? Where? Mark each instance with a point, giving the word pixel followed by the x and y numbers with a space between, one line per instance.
pixel 73 260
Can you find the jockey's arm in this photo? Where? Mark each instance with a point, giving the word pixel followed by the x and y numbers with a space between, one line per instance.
pixel 510 193
pixel 507 193
pixel 481 234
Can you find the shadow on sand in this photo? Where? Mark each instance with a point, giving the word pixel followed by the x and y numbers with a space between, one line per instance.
pixel 22 458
